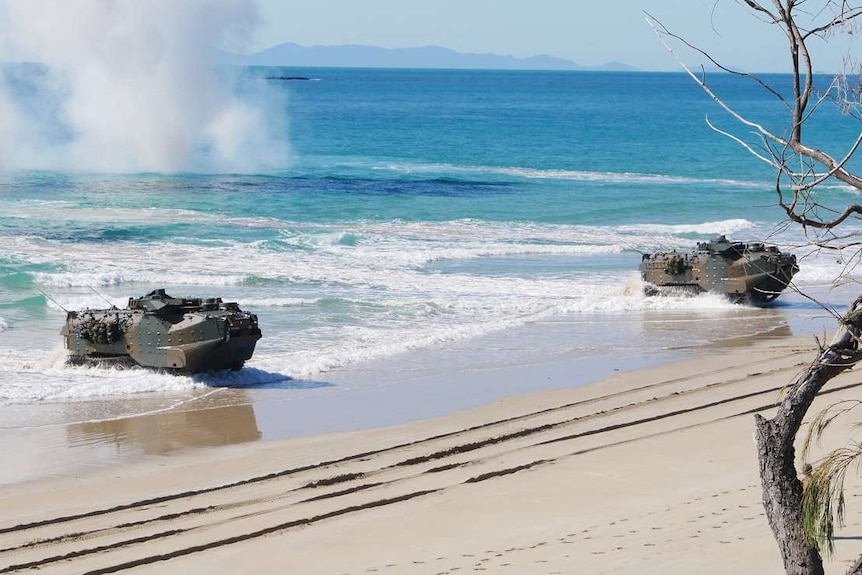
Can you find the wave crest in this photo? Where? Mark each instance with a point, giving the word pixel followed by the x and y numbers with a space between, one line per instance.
pixel 562 174
pixel 704 228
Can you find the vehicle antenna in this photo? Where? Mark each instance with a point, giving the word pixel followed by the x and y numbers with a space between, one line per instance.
pixel 103 297
pixel 53 300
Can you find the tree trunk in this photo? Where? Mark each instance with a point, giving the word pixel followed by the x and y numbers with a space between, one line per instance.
pixel 782 498
pixel 782 491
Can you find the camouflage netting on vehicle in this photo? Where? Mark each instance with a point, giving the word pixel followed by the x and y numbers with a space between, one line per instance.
pixel 101 330
pixel 675 266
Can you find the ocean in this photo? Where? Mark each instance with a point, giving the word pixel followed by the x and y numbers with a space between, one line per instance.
pixel 422 224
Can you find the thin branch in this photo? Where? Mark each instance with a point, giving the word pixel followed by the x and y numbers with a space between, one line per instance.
pixel 653 21
pixel 759 128
pixel 771 162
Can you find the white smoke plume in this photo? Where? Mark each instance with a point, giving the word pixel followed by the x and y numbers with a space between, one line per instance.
pixel 133 86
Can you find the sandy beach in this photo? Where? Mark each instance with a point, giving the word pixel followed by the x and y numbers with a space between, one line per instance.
pixel 653 470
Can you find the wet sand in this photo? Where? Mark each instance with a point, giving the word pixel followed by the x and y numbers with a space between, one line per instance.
pixel 55 439
pixel 652 470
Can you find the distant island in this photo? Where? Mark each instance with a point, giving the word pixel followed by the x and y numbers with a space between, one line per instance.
pixel 355 56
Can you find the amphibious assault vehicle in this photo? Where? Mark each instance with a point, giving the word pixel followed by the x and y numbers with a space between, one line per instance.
pixel 185 335
pixel 746 272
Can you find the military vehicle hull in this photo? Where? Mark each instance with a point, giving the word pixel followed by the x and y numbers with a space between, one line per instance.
pixel 184 335
pixel 747 273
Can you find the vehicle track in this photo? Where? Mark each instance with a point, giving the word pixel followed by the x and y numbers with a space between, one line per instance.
pixel 121 537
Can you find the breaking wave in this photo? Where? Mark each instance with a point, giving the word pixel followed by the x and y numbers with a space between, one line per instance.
pixel 557 174
pixel 718 227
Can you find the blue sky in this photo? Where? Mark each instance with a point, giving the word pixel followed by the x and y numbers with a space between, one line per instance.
pixel 590 32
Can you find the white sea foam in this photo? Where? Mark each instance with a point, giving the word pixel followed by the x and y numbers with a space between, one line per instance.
pixel 425 313
pixel 727 227
pixel 91 300
pixel 318 252
pixel 389 255
pixel 824 271
pixel 4 325
pixel 44 210
pixel 385 251
pixel 361 344
pixel 64 279
pixel 324 303
pixel 43 376
pixel 94 382
pixel 573 175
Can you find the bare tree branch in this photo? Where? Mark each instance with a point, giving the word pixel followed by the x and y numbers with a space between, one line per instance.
pixel 805 213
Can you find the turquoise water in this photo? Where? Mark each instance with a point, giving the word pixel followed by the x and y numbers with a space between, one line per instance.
pixel 415 211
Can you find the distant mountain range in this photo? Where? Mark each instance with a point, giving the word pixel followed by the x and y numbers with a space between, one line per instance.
pixel 354 56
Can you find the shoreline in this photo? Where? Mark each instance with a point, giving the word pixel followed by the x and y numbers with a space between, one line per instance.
pixel 61 438
pixel 652 468
pixel 240 417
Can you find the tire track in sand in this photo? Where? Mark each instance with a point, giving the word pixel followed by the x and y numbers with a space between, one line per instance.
pixel 121 537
